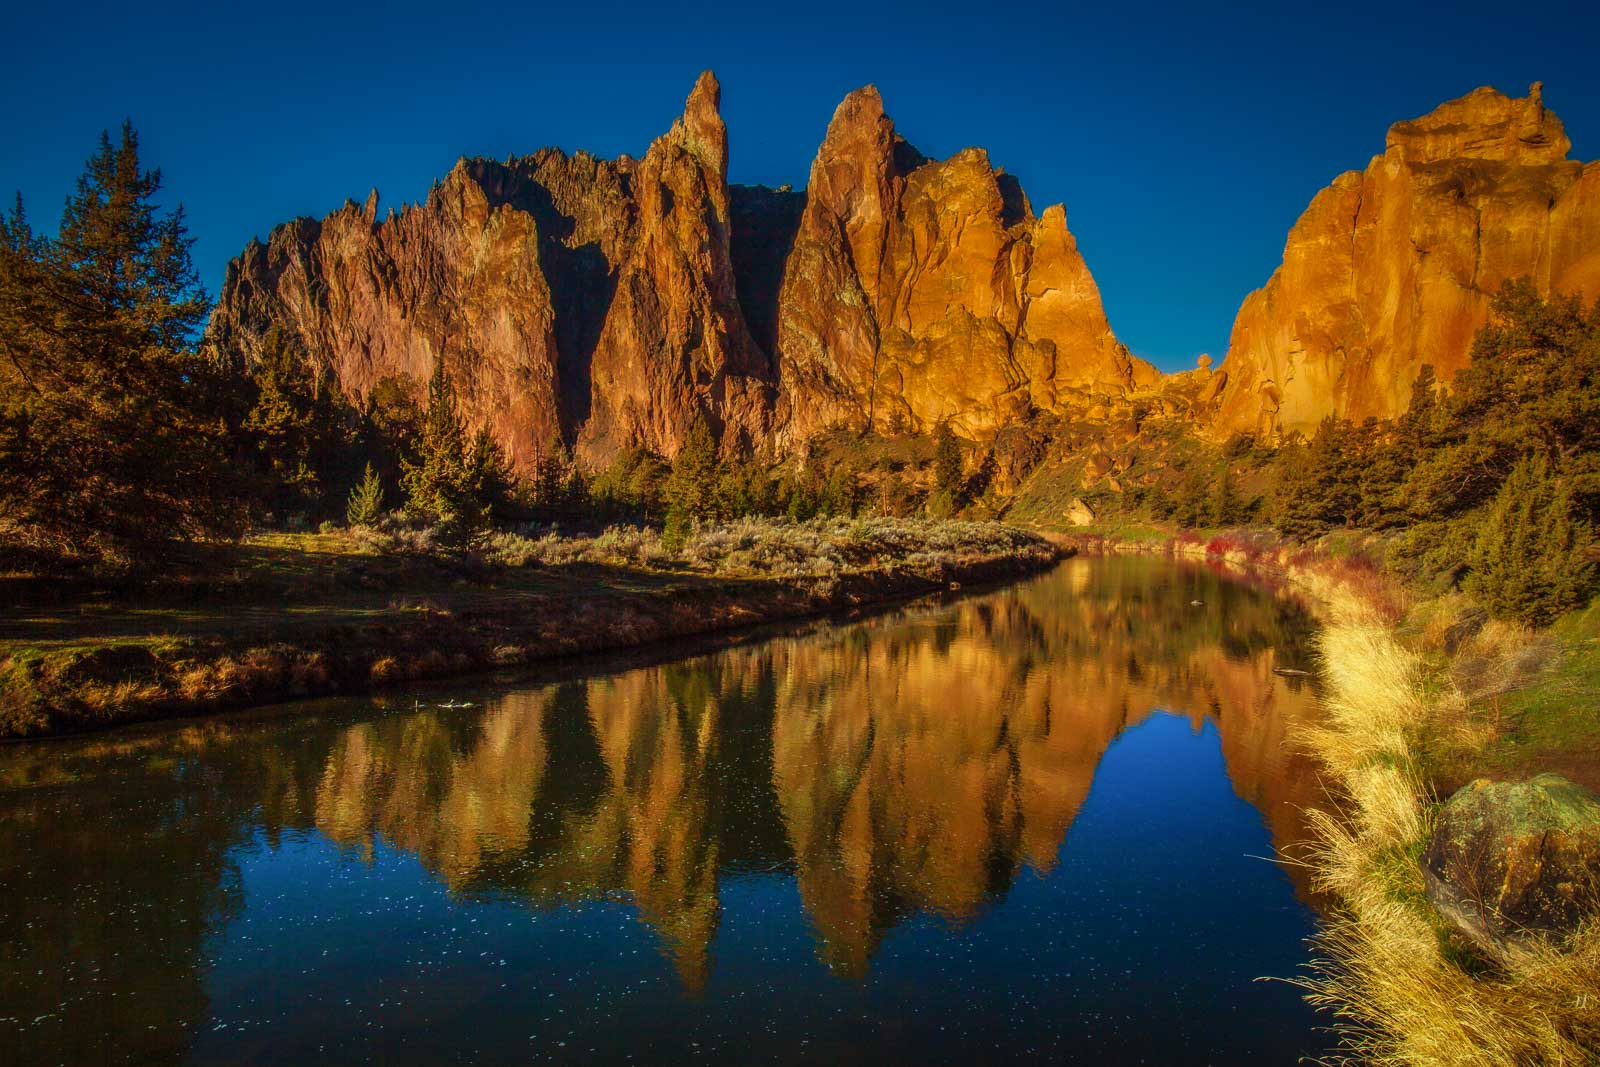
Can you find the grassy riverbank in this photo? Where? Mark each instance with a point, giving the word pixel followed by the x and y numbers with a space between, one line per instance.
pixel 285 616
pixel 1423 694
pixel 1405 989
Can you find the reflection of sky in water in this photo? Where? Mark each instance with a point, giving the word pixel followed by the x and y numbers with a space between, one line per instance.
pixel 948 834
pixel 1140 946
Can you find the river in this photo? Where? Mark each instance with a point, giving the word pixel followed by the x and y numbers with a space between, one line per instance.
pixel 1039 821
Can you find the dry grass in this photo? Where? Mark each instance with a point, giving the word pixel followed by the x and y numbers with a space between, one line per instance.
pixel 820 547
pixel 1403 990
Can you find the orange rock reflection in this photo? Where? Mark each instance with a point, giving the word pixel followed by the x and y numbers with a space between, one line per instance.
pixel 914 762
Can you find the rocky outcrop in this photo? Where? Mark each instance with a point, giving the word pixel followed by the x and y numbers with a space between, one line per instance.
pixel 1509 861
pixel 614 302
pixel 675 344
pixel 457 278
pixel 919 291
pixel 565 294
pixel 1394 267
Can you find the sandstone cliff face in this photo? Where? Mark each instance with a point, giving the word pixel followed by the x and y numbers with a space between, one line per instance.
pixel 918 291
pixel 675 341
pixel 613 302
pixel 1394 267
pixel 566 294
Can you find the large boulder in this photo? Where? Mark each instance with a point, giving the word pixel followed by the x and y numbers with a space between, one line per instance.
pixel 1510 861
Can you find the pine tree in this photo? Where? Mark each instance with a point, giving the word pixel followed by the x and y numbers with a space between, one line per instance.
pixel 1226 508
pixel 691 490
pixel 840 493
pixel 442 484
pixel 298 432
pixel 1528 562
pixel 112 427
pixel 365 506
pixel 553 485
pixel 489 476
pixel 946 460
pixel 1319 482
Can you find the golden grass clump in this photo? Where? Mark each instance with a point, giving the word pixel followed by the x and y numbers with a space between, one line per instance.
pixel 1401 990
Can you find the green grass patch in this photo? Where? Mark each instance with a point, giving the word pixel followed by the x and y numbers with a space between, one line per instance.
pixel 1559 713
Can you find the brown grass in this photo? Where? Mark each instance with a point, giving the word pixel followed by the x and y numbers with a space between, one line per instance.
pixel 1403 990
pixel 525 599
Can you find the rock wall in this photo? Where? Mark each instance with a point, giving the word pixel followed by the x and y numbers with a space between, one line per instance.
pixel 613 302
pixel 919 290
pixel 1394 267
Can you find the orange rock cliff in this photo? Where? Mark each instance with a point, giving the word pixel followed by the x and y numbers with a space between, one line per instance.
pixel 1394 267
pixel 613 302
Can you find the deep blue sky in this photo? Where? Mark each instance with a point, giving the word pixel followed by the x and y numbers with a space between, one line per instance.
pixel 1184 140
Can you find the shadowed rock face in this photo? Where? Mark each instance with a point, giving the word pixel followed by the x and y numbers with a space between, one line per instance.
pixel 1395 266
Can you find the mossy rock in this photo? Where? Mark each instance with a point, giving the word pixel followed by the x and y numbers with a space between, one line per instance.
pixel 1510 861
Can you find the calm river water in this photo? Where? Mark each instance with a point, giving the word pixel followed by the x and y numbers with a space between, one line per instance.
pixel 1031 823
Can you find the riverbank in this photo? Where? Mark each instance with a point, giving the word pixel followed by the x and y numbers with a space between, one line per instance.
pixel 283 617
pixel 1422 694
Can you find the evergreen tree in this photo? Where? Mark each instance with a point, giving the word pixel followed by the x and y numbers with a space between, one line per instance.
pixel 444 483
pixel 691 490
pixel 112 431
pixel 1528 562
pixel 1533 386
pixel 633 485
pixel 1227 508
pixel 298 432
pixel 1319 482
pixel 840 493
pixel 365 506
pixel 946 460
pixel 552 484
pixel 801 503
pixel 489 477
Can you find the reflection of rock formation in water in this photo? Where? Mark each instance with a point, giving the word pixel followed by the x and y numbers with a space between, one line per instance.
pixel 455 792
pixel 915 762
pixel 622 786
pixel 912 762
pixel 919 766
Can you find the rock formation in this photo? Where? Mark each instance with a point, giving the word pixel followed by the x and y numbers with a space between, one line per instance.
pixel 565 294
pixel 1394 267
pixel 918 291
pixel 1512 861
pixel 675 343
pixel 613 302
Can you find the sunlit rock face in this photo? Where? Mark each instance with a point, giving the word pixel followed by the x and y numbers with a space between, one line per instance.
pixel 456 278
pixel 564 294
pixel 675 341
pixel 614 302
pixel 1394 267
pixel 922 290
